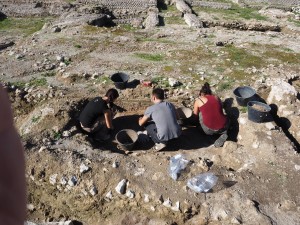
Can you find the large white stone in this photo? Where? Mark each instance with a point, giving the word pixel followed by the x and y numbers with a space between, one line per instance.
pixel 280 88
pixel 192 20
pixel 173 82
pixel 182 6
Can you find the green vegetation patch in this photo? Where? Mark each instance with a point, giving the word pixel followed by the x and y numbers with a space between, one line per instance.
pixel 77 46
pixel 243 109
pixel 174 20
pixel 35 119
pixel 160 81
pixel 169 8
pixel 49 74
pixel 225 85
pixel 296 22
pixel 150 57
pixel 283 56
pixel 233 13
pixel 38 82
pixel 19 84
pixel 122 29
pixel 25 26
pixel 160 40
pixel 188 58
pixel 243 57
pixel 103 80
pixel 57 135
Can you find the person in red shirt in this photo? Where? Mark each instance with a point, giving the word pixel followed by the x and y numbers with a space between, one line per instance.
pixel 208 109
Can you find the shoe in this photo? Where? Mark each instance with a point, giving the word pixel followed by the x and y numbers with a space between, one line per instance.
pixel 220 141
pixel 159 146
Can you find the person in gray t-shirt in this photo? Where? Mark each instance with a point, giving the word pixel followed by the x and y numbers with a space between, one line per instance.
pixel 160 120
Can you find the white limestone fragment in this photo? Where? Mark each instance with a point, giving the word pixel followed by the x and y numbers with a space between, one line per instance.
pixel 93 191
pixel 73 181
pixel 255 144
pixel 52 179
pixel 173 82
pixel 84 168
pixel 42 149
pixel 130 194
pixel 108 196
pixel 146 198
pixel 270 126
pixel 167 203
pixel 176 207
pixel 66 133
pixel 63 181
pixel 115 164
pixel 242 120
pixel 121 187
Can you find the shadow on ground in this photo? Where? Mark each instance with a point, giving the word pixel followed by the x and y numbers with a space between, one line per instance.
pixel 191 137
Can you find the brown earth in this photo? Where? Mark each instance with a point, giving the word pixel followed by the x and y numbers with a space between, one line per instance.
pixel 257 168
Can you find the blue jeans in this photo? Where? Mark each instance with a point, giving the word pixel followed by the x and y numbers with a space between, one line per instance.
pixel 152 132
pixel 209 131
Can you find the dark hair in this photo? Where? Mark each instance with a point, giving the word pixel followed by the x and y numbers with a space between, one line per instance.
pixel 205 89
pixel 158 93
pixel 112 94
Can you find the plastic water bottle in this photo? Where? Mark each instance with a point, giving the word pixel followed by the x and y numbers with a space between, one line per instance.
pixel 203 182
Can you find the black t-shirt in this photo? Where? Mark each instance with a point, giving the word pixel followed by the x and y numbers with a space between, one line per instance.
pixel 92 111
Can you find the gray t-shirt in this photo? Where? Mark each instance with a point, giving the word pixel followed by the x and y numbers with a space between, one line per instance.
pixel 164 116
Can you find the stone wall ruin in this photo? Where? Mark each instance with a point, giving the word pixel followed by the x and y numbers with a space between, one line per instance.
pixel 283 3
pixel 123 11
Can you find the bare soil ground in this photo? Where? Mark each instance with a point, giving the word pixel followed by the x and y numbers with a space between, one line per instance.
pixel 51 76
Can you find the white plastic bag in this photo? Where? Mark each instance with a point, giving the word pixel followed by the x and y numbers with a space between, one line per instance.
pixel 177 164
pixel 202 182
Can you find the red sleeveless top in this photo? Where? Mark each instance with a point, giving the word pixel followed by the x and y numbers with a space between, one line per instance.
pixel 212 114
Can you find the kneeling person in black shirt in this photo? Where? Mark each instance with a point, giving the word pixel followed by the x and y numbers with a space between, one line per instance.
pixel 96 117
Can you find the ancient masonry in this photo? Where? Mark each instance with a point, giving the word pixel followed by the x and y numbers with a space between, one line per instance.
pixel 285 3
pixel 210 4
pixel 121 9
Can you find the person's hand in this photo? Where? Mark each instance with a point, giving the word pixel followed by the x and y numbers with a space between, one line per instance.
pixel 12 167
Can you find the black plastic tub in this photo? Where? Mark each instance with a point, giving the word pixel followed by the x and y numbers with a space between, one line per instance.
pixel 120 80
pixel 126 139
pixel 244 94
pixel 259 112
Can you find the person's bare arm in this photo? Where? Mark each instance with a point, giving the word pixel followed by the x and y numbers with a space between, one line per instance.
pixel 108 119
pixel 196 108
pixel 12 168
pixel 143 120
